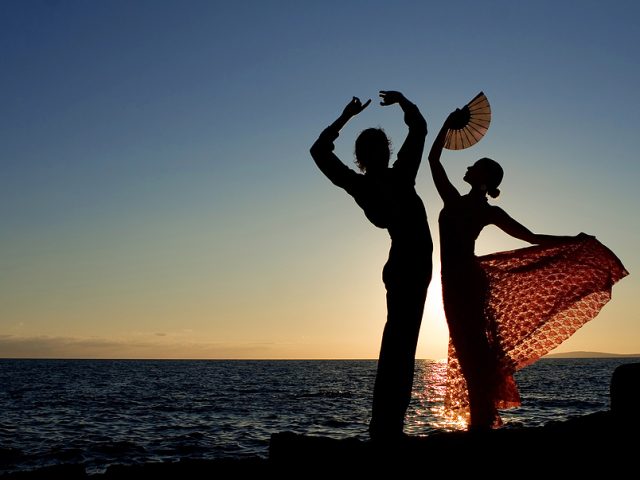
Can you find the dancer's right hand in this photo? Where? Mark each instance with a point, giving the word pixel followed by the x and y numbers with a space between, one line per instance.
pixel 354 107
pixel 453 118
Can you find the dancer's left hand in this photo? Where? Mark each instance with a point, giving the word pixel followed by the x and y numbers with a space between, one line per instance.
pixel 389 97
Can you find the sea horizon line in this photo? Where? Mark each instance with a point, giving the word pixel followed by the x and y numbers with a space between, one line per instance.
pixel 562 355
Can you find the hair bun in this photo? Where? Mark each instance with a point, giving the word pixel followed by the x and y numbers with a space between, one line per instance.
pixel 494 192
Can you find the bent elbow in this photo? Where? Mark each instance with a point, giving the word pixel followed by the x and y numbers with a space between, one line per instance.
pixel 321 147
pixel 422 124
pixel 419 126
pixel 315 149
pixel 318 153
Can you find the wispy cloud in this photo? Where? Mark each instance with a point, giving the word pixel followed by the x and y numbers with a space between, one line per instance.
pixel 12 346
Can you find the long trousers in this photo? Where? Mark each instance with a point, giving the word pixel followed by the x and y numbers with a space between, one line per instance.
pixel 394 378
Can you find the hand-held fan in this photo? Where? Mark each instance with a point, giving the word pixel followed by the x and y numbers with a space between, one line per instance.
pixel 469 124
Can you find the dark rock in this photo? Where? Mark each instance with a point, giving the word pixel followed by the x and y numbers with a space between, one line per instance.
pixel 584 445
pixel 188 469
pixel 625 393
pixel 54 472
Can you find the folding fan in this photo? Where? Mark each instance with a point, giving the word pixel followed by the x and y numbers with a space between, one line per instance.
pixel 470 124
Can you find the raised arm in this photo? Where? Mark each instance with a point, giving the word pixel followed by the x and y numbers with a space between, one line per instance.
pixel 410 154
pixel 502 220
pixel 445 188
pixel 322 149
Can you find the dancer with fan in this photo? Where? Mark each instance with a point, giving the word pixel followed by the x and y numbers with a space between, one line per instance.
pixel 505 310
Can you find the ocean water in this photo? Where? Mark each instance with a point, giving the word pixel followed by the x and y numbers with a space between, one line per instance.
pixel 103 412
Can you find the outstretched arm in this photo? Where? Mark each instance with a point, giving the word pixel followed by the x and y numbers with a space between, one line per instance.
pixel 410 154
pixel 502 220
pixel 322 149
pixel 445 188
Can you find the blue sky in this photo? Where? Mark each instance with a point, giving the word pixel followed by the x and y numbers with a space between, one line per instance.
pixel 157 195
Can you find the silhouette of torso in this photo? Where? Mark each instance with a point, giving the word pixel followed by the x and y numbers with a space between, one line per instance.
pixel 464 284
pixel 389 201
pixel 460 222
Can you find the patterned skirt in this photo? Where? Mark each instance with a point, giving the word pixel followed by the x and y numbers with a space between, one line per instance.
pixel 534 299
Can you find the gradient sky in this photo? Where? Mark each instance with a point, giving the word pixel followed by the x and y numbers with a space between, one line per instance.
pixel 157 197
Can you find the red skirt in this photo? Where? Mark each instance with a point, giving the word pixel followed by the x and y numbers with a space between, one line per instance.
pixel 536 298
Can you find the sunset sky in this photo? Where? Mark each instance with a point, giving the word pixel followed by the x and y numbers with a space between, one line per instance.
pixel 157 196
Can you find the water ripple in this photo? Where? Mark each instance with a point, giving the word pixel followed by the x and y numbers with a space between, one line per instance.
pixel 102 412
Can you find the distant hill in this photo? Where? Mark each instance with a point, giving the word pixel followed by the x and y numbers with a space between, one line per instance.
pixel 592 355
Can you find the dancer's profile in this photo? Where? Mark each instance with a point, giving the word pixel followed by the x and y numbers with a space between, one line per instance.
pixel 389 200
pixel 506 310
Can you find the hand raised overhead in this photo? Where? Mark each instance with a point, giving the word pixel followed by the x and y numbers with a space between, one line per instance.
pixel 355 106
pixel 457 119
pixel 389 97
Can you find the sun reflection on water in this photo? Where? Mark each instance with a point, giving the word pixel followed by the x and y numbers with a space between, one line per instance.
pixel 426 413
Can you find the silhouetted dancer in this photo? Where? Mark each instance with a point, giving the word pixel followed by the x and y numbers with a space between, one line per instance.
pixel 389 200
pixel 506 310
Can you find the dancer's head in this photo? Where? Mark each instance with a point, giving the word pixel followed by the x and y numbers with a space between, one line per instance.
pixel 486 175
pixel 373 150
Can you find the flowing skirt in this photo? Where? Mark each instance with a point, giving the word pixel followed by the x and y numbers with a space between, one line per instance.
pixel 534 299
